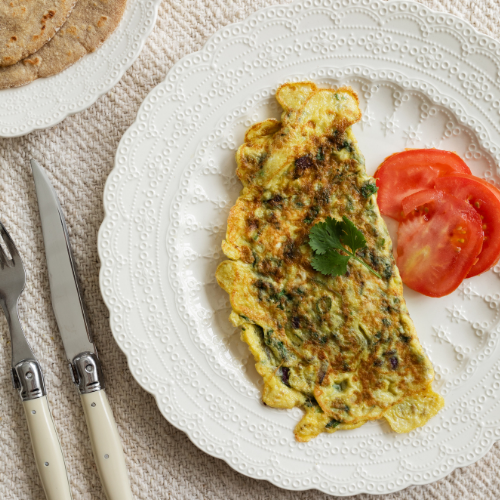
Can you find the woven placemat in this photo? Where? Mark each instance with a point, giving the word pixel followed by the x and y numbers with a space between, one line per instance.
pixel 79 154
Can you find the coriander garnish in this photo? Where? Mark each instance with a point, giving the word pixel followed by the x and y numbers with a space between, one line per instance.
pixel 327 239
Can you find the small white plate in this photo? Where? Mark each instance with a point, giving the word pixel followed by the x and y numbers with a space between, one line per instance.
pixel 47 101
pixel 424 79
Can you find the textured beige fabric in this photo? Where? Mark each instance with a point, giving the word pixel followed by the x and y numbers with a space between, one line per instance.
pixel 78 153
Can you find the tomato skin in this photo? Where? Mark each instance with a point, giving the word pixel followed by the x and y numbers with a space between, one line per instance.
pixel 485 199
pixel 438 242
pixel 491 187
pixel 407 172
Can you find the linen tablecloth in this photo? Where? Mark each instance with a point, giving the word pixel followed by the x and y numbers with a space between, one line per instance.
pixel 79 153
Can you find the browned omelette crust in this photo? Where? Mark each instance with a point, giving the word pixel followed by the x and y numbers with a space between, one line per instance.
pixel 27 25
pixel 90 23
pixel 344 348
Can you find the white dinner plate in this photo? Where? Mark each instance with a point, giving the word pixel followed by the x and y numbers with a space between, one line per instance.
pixel 47 101
pixel 424 79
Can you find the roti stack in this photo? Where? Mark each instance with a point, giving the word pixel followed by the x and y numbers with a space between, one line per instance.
pixel 27 25
pixel 87 27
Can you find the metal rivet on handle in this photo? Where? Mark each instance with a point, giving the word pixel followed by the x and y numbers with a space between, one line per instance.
pixel 33 411
pixel 29 375
pixel 89 368
pixel 46 464
pixel 106 456
pixel 93 405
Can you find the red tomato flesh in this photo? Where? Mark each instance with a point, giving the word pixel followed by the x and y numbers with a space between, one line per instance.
pixel 405 173
pixel 485 199
pixel 438 242
pixel 491 187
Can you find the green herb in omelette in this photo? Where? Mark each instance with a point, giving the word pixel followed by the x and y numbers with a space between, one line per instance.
pixel 327 239
pixel 368 189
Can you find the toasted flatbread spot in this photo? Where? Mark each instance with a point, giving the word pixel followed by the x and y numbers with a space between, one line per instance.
pixel 27 25
pixel 34 62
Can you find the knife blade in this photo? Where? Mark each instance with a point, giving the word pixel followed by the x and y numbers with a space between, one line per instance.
pixel 74 327
pixel 65 292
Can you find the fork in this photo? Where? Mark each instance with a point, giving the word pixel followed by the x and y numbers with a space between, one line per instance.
pixel 27 378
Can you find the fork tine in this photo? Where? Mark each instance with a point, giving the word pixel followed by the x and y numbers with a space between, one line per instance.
pixel 3 260
pixel 3 257
pixel 16 259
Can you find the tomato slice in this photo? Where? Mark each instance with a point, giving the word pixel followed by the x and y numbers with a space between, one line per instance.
pixel 438 242
pixel 414 201
pixel 405 173
pixel 485 199
pixel 491 187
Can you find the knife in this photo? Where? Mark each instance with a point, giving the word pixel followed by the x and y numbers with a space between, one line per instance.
pixel 74 327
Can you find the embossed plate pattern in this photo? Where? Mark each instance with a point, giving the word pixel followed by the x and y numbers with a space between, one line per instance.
pixel 47 101
pixel 424 79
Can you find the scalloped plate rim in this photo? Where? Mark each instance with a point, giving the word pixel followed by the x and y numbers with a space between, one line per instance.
pixel 107 214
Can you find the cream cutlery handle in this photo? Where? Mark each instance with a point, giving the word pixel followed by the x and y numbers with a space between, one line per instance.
pixel 106 445
pixel 47 449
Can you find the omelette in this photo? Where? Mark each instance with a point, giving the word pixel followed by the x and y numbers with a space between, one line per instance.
pixel 342 348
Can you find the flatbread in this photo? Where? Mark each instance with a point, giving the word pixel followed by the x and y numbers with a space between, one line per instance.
pixel 88 26
pixel 27 25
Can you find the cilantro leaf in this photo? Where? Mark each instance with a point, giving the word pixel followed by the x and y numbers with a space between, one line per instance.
pixel 326 235
pixel 331 263
pixel 328 238
pixel 351 235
